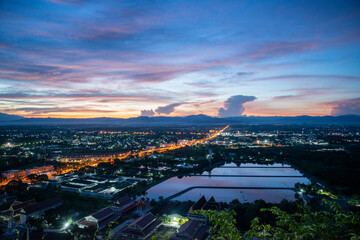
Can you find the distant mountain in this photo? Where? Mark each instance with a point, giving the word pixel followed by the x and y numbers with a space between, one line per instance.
pixel 7 118
pixel 201 119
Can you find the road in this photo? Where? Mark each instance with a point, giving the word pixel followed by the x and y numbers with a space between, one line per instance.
pixel 131 155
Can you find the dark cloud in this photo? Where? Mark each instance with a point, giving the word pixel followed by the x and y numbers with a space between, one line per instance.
pixel 167 109
pixel 344 107
pixel 147 113
pixel 234 105
pixel 244 73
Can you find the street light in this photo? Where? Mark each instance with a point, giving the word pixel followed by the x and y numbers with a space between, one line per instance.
pixel 67 224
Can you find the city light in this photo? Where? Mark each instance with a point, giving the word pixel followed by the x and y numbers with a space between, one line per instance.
pixel 67 224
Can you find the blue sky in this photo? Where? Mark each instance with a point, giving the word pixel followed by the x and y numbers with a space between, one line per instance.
pixel 173 58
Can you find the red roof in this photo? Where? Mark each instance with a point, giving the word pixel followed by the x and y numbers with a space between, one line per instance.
pixel 88 223
pixel 129 208
pixel 143 221
pixel 140 203
pixel 43 205
pixel 19 205
pixel 103 213
pixel 144 232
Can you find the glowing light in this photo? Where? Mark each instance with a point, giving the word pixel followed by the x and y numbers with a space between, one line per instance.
pixel 67 224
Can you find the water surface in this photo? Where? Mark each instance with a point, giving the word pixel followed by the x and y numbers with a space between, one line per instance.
pixel 175 184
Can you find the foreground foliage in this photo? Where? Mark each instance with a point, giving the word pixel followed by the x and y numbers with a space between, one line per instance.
pixel 303 224
pixel 222 224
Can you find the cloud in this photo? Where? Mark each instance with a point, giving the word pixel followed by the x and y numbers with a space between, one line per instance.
pixel 244 73
pixel 234 105
pixel 286 97
pixel 147 113
pixel 38 110
pixel 344 107
pixel 309 77
pixel 167 109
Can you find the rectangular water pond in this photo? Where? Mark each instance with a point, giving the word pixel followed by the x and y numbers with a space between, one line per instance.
pixel 261 177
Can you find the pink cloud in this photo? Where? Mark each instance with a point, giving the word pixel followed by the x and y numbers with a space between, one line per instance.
pixel 345 107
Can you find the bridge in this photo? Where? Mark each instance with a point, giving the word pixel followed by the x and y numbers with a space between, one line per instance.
pixel 211 187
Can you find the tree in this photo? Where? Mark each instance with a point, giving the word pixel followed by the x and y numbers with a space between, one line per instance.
pixel 307 224
pixel 32 177
pixel 222 224
pixel 84 233
pixel 38 223
pixel 14 187
pixel 303 224
pixel 37 178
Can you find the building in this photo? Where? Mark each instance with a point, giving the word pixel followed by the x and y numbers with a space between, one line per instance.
pixel 142 207
pixel 20 211
pixel 183 142
pixel 14 210
pixel 123 204
pixel 20 174
pixel 40 170
pixel 14 174
pixel 37 209
pixel 202 204
pixel 191 230
pixel 141 228
pixel 100 219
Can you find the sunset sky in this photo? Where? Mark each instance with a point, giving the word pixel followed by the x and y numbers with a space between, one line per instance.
pixel 175 58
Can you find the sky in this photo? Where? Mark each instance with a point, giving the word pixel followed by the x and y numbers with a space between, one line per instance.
pixel 112 58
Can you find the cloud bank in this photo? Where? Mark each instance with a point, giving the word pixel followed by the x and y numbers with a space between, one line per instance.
pixel 234 106
pixel 345 107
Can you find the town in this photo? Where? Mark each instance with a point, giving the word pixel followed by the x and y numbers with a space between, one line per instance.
pixel 148 183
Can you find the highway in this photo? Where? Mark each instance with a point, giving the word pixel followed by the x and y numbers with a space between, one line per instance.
pixel 132 155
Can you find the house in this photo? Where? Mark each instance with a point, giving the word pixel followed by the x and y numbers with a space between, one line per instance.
pixel 14 209
pixel 141 228
pixel 40 170
pixel 19 211
pixel 14 174
pixel 16 206
pixel 123 204
pixel 191 230
pixel 39 208
pixel 142 206
pixel 202 204
pixel 100 219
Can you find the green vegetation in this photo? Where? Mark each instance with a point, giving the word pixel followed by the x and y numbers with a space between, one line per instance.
pixel 84 233
pixel 339 169
pixel 304 223
pixel 222 224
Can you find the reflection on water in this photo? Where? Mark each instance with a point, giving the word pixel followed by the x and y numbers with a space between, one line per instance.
pixel 243 195
pixel 175 184
pixel 255 171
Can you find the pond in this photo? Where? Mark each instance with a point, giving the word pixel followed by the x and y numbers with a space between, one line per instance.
pixel 233 178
